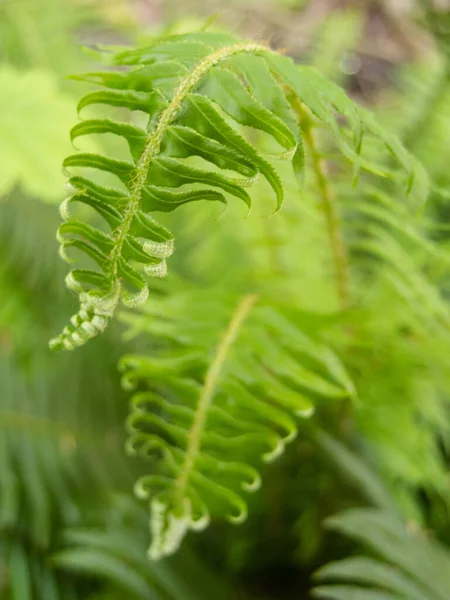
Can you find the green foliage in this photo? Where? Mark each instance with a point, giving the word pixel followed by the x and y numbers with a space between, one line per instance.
pixel 407 565
pixel 62 469
pixel 220 390
pixel 437 21
pixel 34 114
pixel 338 303
pixel 403 562
pixel 336 40
pixel 228 372
pixel 193 87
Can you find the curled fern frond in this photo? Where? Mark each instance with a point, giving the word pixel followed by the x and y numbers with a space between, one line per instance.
pixel 200 92
pixel 221 393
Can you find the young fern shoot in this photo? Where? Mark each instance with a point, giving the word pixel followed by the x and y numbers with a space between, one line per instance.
pixel 198 91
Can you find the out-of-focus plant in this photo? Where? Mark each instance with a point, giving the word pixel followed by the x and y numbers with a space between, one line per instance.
pixel 403 561
pixel 407 565
pixel 33 114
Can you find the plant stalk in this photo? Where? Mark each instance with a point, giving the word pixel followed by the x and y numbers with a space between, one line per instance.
pixel 328 205
pixel 207 395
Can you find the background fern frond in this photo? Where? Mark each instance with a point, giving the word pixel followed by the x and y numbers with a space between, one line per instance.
pixel 406 565
pixel 403 561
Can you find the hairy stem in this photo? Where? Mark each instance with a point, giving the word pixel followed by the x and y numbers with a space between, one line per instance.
pixel 328 205
pixel 155 138
pixel 207 395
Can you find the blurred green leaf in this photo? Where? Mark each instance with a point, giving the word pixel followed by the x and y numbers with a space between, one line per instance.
pixel 34 117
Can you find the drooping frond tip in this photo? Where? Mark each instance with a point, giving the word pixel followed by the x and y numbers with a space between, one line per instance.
pixel 221 396
pixel 199 92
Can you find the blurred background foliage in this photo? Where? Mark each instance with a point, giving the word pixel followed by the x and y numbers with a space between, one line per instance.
pixel 69 526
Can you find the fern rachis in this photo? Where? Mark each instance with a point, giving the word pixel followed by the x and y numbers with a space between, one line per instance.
pixel 208 391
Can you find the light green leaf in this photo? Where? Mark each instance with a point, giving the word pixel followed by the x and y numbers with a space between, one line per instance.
pixel 34 119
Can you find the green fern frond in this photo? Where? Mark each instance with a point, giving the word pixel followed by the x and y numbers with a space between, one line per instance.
pixel 387 243
pixel 199 91
pixel 408 565
pixel 220 393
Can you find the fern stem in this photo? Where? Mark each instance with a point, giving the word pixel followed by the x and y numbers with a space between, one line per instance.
pixel 207 395
pixel 328 205
pixel 153 145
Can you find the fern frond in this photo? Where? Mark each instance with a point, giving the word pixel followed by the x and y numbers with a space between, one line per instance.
pixel 55 446
pixel 221 393
pixel 386 241
pixel 199 91
pixel 408 565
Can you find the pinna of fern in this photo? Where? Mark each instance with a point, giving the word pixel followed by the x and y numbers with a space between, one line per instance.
pixel 199 91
